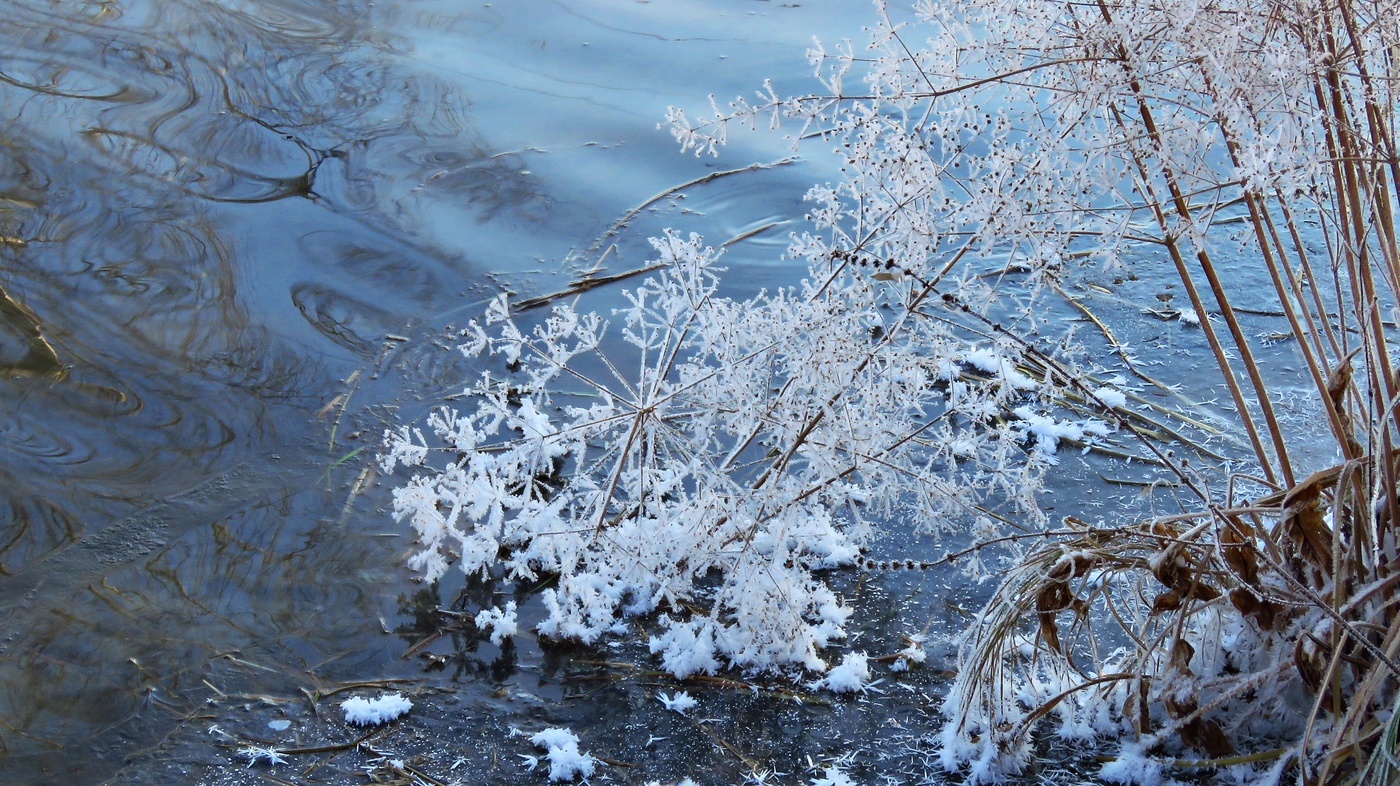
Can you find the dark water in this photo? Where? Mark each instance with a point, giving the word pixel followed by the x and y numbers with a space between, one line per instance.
pixel 234 239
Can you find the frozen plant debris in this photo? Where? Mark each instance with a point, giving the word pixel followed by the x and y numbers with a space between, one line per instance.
pixel 1132 765
pixel 661 473
pixel 1112 397
pixel 705 459
pixel 1048 431
pixel 681 702
pixel 372 712
pixel 257 753
pixel 914 653
pixel 561 750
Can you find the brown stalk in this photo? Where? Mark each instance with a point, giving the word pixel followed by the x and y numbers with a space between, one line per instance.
pixel 1183 211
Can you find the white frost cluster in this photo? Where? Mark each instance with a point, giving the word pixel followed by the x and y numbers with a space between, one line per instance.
pixel 711 458
pixel 372 712
pixel 499 623
pixel 1048 431
pixel 850 676
pixel 914 653
pixel 561 750
pixel 681 702
pixel 833 776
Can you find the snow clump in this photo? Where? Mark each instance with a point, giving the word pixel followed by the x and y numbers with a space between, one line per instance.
pixel 372 712
pixel 852 675
pixel 561 749
pixel 834 777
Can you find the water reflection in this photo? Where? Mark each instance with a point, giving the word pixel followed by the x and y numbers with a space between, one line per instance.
pixel 194 198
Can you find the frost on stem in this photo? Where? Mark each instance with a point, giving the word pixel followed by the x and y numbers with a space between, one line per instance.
pixel 257 753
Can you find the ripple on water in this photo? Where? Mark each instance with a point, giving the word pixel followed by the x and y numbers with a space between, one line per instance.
pixel 148 531
pixel 34 527
pixel 349 321
pixel 43 75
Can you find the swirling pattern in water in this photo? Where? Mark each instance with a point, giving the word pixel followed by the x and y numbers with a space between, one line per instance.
pixel 206 218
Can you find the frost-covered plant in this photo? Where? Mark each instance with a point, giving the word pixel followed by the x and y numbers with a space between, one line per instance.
pixel 729 451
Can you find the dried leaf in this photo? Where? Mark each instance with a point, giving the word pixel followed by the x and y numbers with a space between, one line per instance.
pixel 1206 735
pixel 1238 550
pixel 1260 610
pixel 1304 529
pixel 1307 658
pixel 1166 601
pixel 1049 632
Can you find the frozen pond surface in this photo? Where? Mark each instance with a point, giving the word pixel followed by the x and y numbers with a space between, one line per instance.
pixel 234 239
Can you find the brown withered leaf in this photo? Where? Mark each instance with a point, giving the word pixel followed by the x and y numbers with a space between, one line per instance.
pixel 1206 735
pixel 1199 590
pixel 1181 655
pixel 1244 600
pixel 1166 601
pixel 1167 566
pixel 1179 706
pixel 1053 596
pixel 1050 632
pixel 1236 545
pixel 1260 610
pixel 1309 662
pixel 1136 709
pixel 1304 529
pixel 1075 566
pixel 1338 382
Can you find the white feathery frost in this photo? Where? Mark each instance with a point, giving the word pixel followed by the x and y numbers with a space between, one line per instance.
pixel 360 711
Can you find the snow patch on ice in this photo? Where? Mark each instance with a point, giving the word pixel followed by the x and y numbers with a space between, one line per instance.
pixel 561 749
pixel 372 712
